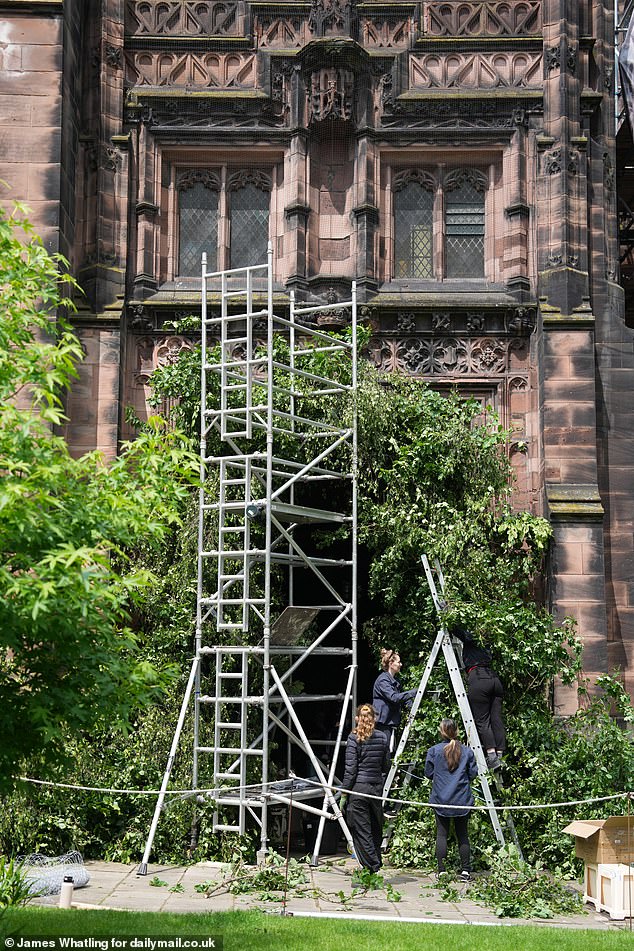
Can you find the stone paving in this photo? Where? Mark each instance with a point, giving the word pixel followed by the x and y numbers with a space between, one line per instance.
pixel 117 886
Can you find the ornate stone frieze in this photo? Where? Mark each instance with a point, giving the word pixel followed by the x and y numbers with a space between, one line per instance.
pixel 443 115
pixel 475 70
pixel 482 19
pixel 281 32
pixel 331 94
pixel 181 18
pixel 385 32
pixel 206 114
pixel 216 70
pixel 446 356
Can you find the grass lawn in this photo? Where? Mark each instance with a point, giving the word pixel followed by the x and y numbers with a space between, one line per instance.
pixel 256 931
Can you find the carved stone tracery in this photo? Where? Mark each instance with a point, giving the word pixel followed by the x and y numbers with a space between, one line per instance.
pixel 182 18
pixel 429 356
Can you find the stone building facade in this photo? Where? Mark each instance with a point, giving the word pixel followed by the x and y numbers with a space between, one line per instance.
pixel 456 159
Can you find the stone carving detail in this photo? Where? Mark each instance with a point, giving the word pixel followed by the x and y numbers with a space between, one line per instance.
pixel 331 17
pixel 553 59
pixel 608 77
pixel 553 161
pixel 608 172
pixel 182 18
pixel 554 259
pixel 217 70
pixel 441 355
pixel 195 176
pixel 461 176
pixel 111 159
pixel 571 59
pixel 249 176
pixel 476 70
pixel 152 353
pixel 521 321
pixel 483 19
pixel 282 32
pixel 113 56
pixel 424 178
pixel 331 94
pixel 443 115
pixel 475 323
pixel 440 322
pixel 406 323
pixel 385 32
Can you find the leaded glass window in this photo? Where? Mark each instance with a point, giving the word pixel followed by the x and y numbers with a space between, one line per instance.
pixel 198 225
pixel 249 213
pixel 464 227
pixel 413 230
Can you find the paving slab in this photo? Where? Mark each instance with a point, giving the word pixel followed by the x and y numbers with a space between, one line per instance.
pixel 118 886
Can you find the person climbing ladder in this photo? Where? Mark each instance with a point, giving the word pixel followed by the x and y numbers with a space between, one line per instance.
pixel 484 693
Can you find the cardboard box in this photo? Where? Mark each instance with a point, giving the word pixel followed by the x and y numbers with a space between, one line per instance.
pixel 607 841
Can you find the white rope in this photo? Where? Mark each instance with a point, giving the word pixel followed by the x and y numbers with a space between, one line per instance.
pixel 215 793
pixel 436 805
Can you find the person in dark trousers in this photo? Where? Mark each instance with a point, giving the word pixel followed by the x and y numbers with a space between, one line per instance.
pixel 451 767
pixel 387 696
pixel 485 694
pixel 367 763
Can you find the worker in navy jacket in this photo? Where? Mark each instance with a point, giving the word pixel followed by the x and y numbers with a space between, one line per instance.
pixel 387 696
pixel 451 767
pixel 367 763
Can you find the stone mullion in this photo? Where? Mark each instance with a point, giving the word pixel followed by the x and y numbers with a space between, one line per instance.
pixel 366 213
pixel 515 251
pixel 146 278
pixel 297 209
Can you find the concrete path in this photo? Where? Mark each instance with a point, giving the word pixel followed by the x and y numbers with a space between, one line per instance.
pixel 117 886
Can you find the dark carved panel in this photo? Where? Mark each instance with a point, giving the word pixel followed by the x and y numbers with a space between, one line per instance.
pixel 482 19
pixel 181 18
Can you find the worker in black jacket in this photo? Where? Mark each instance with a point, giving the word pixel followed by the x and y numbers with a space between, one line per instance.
pixel 387 696
pixel 484 693
pixel 367 763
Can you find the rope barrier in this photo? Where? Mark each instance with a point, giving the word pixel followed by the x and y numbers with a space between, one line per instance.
pixel 216 792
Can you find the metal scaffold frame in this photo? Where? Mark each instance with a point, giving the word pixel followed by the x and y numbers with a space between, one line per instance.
pixel 279 454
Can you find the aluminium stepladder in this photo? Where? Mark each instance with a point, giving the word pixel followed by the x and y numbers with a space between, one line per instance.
pixel 487 778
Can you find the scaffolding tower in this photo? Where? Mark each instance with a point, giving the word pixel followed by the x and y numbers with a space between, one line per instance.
pixel 278 460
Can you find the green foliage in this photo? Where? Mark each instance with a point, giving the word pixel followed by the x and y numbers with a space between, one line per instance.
pixel 68 656
pixel 15 887
pixel 515 889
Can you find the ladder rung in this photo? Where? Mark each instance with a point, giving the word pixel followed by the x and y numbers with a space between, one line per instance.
pixel 232 776
pixel 232 676
pixel 218 827
pixel 229 726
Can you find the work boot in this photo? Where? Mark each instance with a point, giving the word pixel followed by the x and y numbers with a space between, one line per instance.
pixel 494 761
